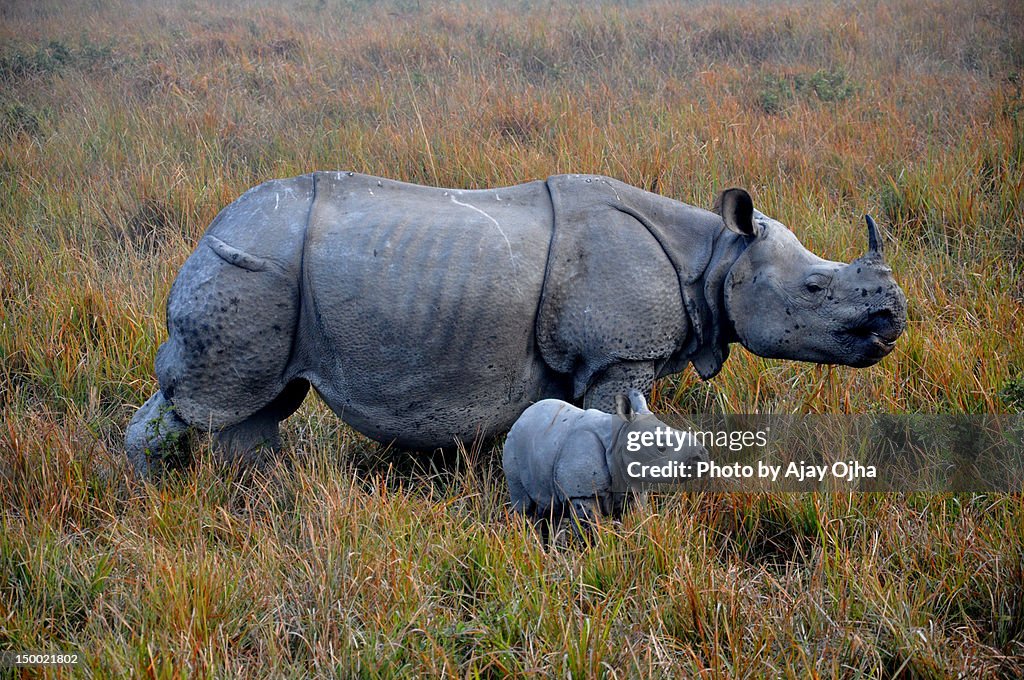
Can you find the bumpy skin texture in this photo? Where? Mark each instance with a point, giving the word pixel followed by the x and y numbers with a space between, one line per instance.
pixel 418 306
pixel 558 457
pixel 233 311
pixel 422 315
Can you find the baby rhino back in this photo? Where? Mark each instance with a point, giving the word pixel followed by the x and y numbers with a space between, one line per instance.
pixel 554 453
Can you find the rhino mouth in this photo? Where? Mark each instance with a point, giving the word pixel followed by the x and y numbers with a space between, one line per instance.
pixel 876 336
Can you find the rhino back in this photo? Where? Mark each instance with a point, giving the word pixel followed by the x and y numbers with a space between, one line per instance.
pixel 419 305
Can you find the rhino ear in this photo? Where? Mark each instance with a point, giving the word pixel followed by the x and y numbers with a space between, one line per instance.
pixel 737 211
pixel 637 402
pixel 623 408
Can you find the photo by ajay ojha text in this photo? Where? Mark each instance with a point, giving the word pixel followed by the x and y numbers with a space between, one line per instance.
pixel 667 439
pixel 864 452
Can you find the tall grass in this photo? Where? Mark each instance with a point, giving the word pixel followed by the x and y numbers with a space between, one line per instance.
pixel 126 126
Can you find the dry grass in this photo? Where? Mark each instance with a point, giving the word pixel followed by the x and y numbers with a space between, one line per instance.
pixel 126 126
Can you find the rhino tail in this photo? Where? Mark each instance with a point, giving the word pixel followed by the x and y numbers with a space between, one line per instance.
pixel 234 256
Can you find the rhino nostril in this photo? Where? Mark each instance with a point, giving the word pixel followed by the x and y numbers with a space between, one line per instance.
pixel 880 324
pixel 882 319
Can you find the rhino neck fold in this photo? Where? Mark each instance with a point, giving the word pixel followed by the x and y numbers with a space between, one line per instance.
pixel 713 330
pixel 728 248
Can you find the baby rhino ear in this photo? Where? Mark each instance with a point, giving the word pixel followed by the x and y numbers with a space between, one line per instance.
pixel 623 408
pixel 637 401
pixel 737 211
pixel 628 406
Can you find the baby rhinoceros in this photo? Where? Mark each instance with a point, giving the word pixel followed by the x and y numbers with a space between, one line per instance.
pixel 559 458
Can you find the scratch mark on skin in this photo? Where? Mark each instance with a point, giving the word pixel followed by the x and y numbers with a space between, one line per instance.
pixel 508 244
pixel 614 191
pixel 554 418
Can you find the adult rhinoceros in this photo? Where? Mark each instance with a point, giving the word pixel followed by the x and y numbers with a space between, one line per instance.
pixel 422 314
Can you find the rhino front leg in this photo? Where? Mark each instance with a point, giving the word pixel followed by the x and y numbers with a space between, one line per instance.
pixel 583 514
pixel 157 439
pixel 618 379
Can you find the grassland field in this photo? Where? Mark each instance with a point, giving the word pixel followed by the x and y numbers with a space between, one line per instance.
pixel 126 126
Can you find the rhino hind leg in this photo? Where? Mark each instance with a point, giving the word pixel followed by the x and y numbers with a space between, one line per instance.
pixel 257 439
pixel 521 503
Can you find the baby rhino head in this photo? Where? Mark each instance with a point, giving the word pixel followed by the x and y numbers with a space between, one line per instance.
pixel 644 440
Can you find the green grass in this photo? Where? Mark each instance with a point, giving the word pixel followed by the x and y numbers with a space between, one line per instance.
pixel 126 126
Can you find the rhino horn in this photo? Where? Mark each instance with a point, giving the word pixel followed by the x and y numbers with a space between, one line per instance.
pixel 874 240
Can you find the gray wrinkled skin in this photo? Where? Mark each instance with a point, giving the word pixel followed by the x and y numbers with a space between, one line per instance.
pixel 558 458
pixel 422 315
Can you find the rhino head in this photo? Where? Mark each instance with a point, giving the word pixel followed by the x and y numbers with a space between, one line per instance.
pixel 785 302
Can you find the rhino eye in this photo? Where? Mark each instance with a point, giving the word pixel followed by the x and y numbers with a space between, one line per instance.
pixel 815 283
